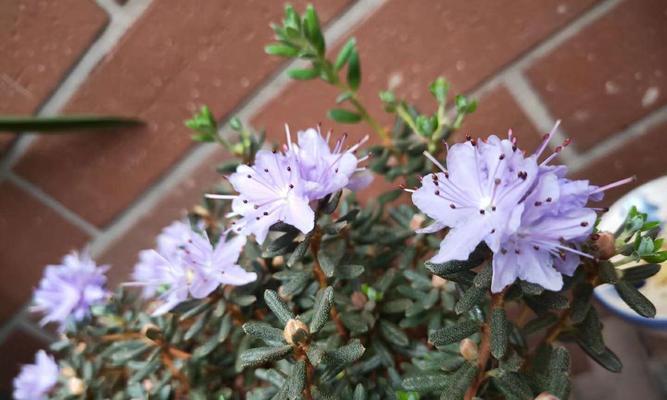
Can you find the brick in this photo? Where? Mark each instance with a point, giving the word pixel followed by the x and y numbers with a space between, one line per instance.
pixel 497 111
pixel 610 74
pixel 6 140
pixel 173 205
pixel 172 60
pixel 408 46
pixel 18 349
pixel 38 237
pixel 39 42
pixel 643 157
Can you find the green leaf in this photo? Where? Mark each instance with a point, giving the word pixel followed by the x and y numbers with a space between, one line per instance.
pixel 281 50
pixel 344 53
pixel 298 252
pixel 640 273
pixel 454 333
pixel 321 309
pixel 303 74
pixel 471 297
pixel 277 306
pixel 359 393
pixel 401 395
pixel 581 302
pixel 499 333
pixel 426 382
pixel 262 355
pixel 296 381
pixel 62 123
pixel 590 331
pixel 439 89
pixel 606 359
pixel 345 355
pixel 264 331
pixel 354 70
pixel 633 298
pixel 454 266
pixel 344 116
pixel 327 262
pixel 313 30
pixel 512 385
pixel 393 334
pixel 459 382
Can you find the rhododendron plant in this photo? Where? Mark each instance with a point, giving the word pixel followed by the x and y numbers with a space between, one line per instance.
pixel 293 280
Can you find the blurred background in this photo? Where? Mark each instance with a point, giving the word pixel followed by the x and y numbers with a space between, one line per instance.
pixel 598 65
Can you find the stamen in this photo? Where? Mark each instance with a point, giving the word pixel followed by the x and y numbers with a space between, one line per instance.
pixel 614 184
pixel 436 163
pixel 222 196
pixel 546 140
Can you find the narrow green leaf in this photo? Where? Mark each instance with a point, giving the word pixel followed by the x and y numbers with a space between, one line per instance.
pixel 264 331
pixel 454 333
pixel 459 382
pixel 261 355
pixel 321 309
pixel 393 334
pixel 344 53
pixel 581 302
pixel 354 70
pixel 281 50
pixel 426 382
pixel 296 381
pixel 277 306
pixel 633 298
pixel 590 331
pixel 499 333
pixel 640 273
pixel 344 116
pixel 606 359
pixel 303 74
pixel 64 123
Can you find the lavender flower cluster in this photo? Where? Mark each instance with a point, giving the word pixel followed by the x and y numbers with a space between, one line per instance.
pixel 528 213
pixel 280 186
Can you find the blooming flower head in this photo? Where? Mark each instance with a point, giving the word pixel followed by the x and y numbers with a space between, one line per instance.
pixel 150 266
pixel 281 186
pixel 196 270
pixel 35 381
pixel 531 217
pixel 68 291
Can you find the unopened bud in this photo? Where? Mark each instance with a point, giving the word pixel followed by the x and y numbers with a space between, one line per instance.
pixel 604 245
pixel 438 282
pixel 359 300
pixel 67 372
pixel 278 261
pixel 546 396
pixel 75 386
pixel 392 161
pixel 80 348
pixel 151 331
pixel 417 221
pixel 468 349
pixel 147 385
pixel 295 332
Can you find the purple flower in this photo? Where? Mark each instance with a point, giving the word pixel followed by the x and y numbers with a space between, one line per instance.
pixel 477 196
pixel 196 269
pixel 150 265
pixel 35 381
pixel 68 291
pixel 530 216
pixel 324 170
pixel 281 186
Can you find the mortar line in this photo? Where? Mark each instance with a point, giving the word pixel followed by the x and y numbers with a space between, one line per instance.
pixel 546 46
pixel 69 215
pixel 265 92
pixel 120 21
pixel 528 99
pixel 617 140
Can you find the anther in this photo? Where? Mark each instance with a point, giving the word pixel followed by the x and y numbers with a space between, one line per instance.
pixel 504 251
pixel 452 206
pixel 538 203
pixel 548 199
pixel 291 186
pixel 481 212
pixel 584 223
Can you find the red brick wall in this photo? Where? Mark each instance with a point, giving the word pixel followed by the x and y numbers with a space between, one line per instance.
pixel 600 66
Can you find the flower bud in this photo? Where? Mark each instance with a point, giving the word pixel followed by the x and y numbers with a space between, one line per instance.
pixel 546 396
pixel 75 386
pixel 604 245
pixel 359 300
pixel 438 282
pixel 468 349
pixel 67 372
pixel 417 221
pixel 278 261
pixel 151 331
pixel 295 332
